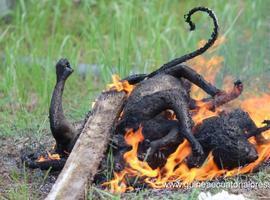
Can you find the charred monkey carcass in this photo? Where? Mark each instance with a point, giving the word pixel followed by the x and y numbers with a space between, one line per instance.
pixel 154 93
pixel 163 90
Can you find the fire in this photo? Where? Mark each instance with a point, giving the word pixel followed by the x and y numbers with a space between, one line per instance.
pixel 133 139
pixel 208 68
pixel 203 112
pixel 136 167
pixel 119 85
pixel 49 156
pixel 176 168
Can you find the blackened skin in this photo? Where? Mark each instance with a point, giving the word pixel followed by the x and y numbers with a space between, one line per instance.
pixel 163 137
pixel 164 91
pixel 66 135
pixel 226 136
pixel 63 132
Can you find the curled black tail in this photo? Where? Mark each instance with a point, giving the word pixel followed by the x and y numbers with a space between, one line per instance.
pixel 199 51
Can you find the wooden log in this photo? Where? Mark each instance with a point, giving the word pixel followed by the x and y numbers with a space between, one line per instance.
pixel 89 149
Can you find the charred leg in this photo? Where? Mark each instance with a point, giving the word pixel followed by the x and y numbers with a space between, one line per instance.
pixel 172 138
pixel 258 133
pixel 260 139
pixel 184 71
pixel 179 106
pixel 63 132
pixel 193 161
pixel 246 123
pixel 219 100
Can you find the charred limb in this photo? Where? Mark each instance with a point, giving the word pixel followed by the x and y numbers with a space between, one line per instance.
pixel 226 136
pixel 84 160
pixel 63 131
pixel 259 131
pixel 217 101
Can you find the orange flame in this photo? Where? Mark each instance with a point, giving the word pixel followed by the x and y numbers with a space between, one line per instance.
pixel 176 168
pixel 49 156
pixel 120 85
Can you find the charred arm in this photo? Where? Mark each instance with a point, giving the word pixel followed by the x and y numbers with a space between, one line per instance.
pixel 219 100
pixel 257 132
pixel 63 132
pixel 191 75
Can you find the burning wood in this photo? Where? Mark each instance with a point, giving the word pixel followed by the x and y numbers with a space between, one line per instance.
pixel 84 160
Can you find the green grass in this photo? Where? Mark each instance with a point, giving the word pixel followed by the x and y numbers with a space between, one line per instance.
pixel 121 37
pixel 95 193
pixel 20 189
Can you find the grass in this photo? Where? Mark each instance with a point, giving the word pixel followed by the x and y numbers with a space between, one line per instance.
pixel 21 188
pixel 95 193
pixel 123 37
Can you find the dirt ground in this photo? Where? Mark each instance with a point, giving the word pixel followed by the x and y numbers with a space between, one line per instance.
pixel 15 178
pixel 17 181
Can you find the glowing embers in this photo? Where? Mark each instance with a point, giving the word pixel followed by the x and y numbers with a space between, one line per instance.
pixel 48 157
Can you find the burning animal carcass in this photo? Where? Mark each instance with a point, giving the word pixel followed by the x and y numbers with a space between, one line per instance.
pixel 157 131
